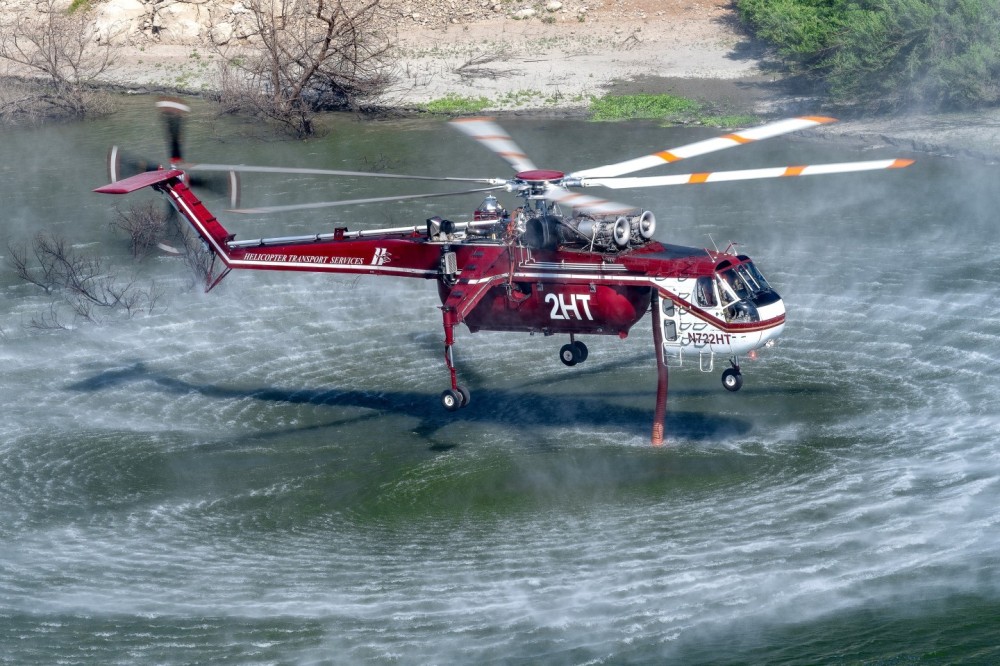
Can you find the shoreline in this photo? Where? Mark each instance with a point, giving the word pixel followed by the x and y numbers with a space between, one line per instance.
pixel 551 65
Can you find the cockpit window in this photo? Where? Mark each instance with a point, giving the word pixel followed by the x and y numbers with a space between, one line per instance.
pixel 705 292
pixel 733 285
pixel 753 278
pixel 744 280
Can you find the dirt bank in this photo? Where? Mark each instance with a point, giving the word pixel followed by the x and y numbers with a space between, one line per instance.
pixel 555 59
pixel 551 56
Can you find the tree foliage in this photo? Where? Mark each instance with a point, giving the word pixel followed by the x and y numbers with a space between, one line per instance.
pixel 305 56
pixel 930 54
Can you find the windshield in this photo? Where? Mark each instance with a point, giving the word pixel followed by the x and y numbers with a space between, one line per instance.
pixel 754 281
pixel 745 281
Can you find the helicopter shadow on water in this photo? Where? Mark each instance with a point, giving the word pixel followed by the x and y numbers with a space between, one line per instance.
pixel 514 408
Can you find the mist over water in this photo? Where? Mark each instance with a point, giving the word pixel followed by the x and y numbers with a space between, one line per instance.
pixel 263 474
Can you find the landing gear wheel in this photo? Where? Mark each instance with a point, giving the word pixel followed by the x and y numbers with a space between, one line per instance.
pixel 455 399
pixel 451 400
pixel 569 355
pixel 581 351
pixel 732 379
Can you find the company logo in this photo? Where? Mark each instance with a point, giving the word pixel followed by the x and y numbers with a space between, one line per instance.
pixel 381 257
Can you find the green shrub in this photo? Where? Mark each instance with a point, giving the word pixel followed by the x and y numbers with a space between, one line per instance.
pixel 934 54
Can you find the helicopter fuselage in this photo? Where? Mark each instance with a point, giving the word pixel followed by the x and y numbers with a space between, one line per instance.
pixel 712 303
pixel 706 304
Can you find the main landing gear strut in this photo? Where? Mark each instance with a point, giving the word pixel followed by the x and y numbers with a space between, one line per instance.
pixel 457 396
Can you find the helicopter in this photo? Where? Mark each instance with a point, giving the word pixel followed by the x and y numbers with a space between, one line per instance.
pixel 561 263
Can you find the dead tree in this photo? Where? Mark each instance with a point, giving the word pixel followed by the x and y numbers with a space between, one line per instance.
pixel 54 55
pixel 150 226
pixel 86 289
pixel 145 224
pixel 306 56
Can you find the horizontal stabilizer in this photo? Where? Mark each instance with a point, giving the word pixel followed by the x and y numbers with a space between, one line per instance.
pixel 139 181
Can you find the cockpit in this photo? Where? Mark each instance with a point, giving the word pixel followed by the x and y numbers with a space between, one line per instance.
pixel 739 288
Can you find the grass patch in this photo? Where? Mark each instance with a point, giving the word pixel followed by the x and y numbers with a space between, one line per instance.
pixel 731 121
pixel 643 106
pixel 455 105
pixel 668 108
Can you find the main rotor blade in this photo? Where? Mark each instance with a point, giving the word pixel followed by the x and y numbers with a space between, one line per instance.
pixel 330 172
pixel 491 135
pixel 706 146
pixel 349 202
pixel 585 203
pixel 746 174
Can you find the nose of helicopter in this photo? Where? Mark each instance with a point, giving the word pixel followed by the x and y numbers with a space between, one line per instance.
pixel 773 314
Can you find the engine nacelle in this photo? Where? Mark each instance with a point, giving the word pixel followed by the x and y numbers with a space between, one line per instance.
pixel 604 233
pixel 643 227
pixel 609 233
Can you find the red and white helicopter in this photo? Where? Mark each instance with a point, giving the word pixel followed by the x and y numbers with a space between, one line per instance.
pixel 560 263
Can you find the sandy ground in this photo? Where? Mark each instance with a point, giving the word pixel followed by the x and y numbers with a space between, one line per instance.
pixel 554 61
pixel 563 58
pixel 552 64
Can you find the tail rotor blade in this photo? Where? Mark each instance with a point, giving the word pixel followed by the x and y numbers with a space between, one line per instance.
pixel 491 135
pixel 173 118
pixel 732 140
pixel 122 165
pixel 227 184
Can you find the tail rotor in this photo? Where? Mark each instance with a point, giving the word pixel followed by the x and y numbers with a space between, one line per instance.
pixel 122 165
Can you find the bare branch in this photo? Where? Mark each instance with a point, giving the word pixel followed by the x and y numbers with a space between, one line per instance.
pixel 144 223
pixel 87 288
pixel 56 52
pixel 305 56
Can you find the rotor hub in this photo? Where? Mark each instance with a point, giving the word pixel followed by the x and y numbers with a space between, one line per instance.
pixel 540 176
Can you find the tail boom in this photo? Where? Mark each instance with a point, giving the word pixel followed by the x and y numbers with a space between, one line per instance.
pixel 384 252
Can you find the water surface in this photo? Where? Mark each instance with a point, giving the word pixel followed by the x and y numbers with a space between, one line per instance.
pixel 263 474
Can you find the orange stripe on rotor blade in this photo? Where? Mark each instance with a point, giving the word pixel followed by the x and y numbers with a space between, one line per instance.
pixel 794 171
pixel 737 138
pixel 820 119
pixel 699 178
pixel 900 164
pixel 667 156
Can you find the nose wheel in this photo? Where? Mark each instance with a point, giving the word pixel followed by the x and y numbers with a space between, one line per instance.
pixel 732 378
